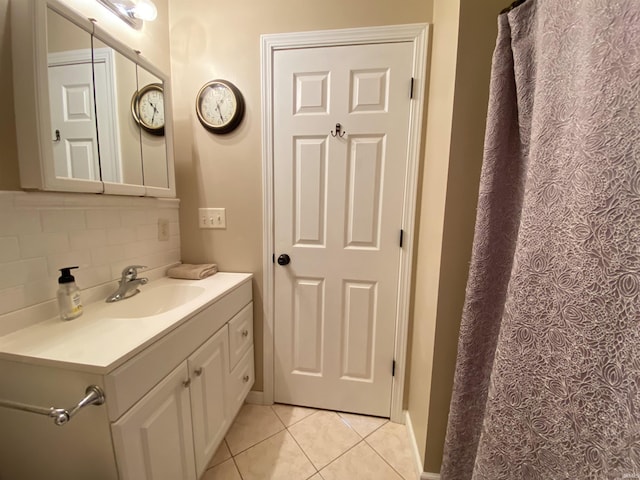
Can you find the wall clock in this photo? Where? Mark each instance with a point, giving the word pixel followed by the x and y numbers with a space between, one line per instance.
pixel 147 108
pixel 220 106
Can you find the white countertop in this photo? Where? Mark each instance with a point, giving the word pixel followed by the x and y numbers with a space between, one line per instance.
pixel 98 341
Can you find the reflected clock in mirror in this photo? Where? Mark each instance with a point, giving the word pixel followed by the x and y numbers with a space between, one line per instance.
pixel 151 117
pixel 147 108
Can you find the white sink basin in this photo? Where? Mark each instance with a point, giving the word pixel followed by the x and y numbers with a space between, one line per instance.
pixel 154 300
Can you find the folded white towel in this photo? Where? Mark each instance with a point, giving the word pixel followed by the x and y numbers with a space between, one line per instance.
pixel 193 272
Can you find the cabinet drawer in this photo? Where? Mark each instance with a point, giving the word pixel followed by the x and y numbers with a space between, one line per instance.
pixel 240 381
pixel 127 384
pixel 240 335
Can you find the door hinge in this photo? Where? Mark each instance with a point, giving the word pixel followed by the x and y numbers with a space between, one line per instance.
pixel 411 92
pixel 401 237
pixel 393 369
pixel 273 258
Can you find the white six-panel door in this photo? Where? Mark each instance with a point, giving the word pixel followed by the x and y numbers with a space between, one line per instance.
pixel 71 96
pixel 337 215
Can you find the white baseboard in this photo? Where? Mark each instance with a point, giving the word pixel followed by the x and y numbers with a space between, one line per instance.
pixel 429 476
pixel 416 452
pixel 255 398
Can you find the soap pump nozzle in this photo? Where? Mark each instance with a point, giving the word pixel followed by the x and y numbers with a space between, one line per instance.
pixel 65 275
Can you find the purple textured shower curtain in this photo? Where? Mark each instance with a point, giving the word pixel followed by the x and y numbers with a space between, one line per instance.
pixel 547 383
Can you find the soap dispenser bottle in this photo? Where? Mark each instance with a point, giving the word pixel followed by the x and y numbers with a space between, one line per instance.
pixel 68 295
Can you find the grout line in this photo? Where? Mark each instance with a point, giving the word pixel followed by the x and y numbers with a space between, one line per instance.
pixel 384 460
pixel 341 455
pixel 303 452
pixel 263 440
pixel 237 468
pixel 315 410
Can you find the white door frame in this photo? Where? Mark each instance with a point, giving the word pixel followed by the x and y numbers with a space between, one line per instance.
pixel 418 35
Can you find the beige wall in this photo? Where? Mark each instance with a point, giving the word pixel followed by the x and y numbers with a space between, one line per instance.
pixel 464 37
pixel 431 214
pixel 226 171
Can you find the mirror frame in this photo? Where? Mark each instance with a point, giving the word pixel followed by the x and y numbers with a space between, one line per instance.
pixel 32 105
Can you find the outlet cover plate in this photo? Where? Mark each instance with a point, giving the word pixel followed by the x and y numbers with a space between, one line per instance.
pixel 212 218
pixel 163 230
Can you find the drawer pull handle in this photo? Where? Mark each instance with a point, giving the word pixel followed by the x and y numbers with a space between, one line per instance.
pixel 245 379
pixel 198 371
pixel 186 383
pixel 245 333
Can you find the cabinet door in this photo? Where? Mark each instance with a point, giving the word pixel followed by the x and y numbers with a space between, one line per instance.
pixel 208 368
pixel 154 439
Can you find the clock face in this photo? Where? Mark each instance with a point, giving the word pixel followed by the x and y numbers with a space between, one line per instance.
pixel 219 106
pixel 148 108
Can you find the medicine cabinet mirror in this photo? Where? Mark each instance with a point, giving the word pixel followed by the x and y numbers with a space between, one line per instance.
pixel 75 125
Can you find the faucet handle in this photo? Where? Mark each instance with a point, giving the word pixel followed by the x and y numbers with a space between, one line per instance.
pixel 132 271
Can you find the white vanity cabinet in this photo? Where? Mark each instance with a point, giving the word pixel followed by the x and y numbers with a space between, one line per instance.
pixel 168 403
pixel 174 430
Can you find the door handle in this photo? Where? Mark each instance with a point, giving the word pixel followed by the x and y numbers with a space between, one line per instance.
pixel 284 259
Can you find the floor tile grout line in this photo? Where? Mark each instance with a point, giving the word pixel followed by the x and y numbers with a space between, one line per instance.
pixel 276 414
pixel 361 439
pixel 341 455
pixel 303 452
pixel 384 459
pixel 258 443
pixel 315 410
pixel 237 468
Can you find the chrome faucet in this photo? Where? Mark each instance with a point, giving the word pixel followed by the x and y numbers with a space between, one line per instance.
pixel 129 284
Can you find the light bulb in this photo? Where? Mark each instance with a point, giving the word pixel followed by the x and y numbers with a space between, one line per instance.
pixel 145 10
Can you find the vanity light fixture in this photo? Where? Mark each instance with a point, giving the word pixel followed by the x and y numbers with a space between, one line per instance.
pixel 133 12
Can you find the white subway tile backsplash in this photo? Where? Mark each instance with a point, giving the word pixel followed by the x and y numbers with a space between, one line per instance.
pixel 102 218
pixel 42 232
pixel 81 259
pixel 133 218
pixel 23 222
pixel 11 299
pixel 107 255
pixel 6 199
pixel 43 244
pixel 147 232
pixel 86 239
pixel 22 272
pixel 37 200
pixel 89 276
pixel 121 235
pixel 9 250
pixel 63 220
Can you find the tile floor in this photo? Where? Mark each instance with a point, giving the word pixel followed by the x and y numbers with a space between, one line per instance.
pixel 282 442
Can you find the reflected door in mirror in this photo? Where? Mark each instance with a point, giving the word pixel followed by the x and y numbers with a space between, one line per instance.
pixel 71 96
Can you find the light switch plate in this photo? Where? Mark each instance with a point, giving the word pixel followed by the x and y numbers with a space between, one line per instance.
pixel 212 218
